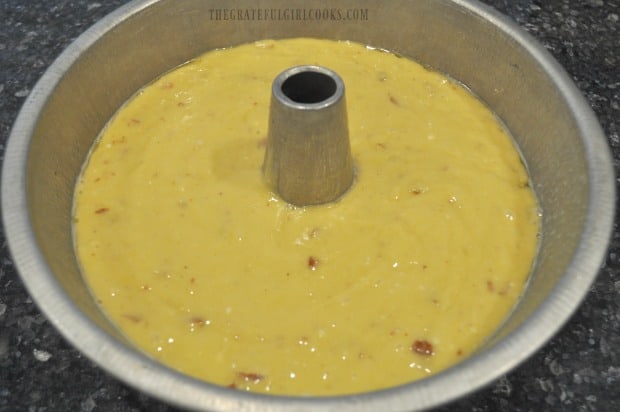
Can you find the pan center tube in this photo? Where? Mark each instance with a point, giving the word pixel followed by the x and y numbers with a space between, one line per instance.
pixel 308 156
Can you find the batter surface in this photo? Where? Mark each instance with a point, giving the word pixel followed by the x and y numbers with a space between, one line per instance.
pixel 206 270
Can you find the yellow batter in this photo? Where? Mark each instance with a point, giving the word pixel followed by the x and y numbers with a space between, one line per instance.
pixel 202 267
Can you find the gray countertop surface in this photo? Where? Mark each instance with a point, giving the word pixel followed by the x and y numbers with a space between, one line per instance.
pixel 578 370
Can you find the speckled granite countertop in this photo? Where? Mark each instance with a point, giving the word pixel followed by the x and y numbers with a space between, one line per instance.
pixel 579 370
